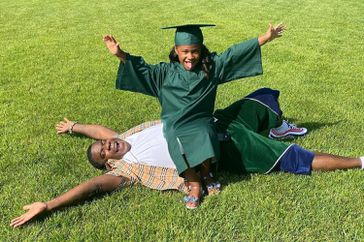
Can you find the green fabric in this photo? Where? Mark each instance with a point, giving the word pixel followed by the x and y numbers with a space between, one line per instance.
pixel 187 97
pixel 249 151
pixel 188 34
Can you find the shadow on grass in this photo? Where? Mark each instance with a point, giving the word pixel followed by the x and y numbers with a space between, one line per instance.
pixel 318 125
pixel 80 136
pixel 227 178
pixel 310 126
pixel 313 125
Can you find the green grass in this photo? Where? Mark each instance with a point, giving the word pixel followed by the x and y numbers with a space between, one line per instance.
pixel 53 64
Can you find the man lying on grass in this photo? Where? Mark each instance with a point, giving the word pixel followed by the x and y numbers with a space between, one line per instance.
pixel 141 155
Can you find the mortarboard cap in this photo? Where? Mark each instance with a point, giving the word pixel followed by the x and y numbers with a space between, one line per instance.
pixel 188 34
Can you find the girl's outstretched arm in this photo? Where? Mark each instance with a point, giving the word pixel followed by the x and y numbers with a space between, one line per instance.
pixel 272 33
pixel 113 47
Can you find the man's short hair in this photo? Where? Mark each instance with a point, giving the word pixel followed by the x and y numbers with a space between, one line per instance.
pixel 93 162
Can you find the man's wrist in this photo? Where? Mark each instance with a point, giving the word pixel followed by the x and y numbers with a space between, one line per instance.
pixel 70 130
pixel 46 206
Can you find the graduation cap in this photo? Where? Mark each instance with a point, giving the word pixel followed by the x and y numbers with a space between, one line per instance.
pixel 188 34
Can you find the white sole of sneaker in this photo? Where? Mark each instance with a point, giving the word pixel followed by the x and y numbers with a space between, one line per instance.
pixel 287 135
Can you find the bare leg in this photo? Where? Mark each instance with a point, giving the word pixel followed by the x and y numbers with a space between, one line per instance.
pixel 191 177
pixel 194 185
pixel 205 170
pixel 327 162
pixel 212 186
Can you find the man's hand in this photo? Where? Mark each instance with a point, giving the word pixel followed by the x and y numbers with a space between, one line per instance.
pixel 64 126
pixel 34 210
pixel 87 189
pixel 92 131
pixel 272 33
pixel 112 45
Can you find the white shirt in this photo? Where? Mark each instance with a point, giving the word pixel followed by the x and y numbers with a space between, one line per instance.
pixel 149 147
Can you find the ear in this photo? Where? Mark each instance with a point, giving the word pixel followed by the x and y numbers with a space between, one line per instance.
pixel 175 49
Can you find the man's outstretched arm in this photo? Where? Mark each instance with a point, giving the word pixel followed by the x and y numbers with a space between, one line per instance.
pixel 99 184
pixel 93 131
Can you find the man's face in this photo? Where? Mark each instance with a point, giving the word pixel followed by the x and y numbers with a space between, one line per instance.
pixel 115 148
pixel 188 55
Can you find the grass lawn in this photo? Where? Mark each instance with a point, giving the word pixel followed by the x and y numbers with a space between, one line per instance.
pixel 54 64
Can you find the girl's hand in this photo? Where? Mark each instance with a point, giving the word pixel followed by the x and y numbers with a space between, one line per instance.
pixel 275 32
pixel 64 126
pixel 271 34
pixel 112 45
pixel 34 210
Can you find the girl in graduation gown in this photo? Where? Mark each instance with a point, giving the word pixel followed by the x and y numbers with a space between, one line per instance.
pixel 186 90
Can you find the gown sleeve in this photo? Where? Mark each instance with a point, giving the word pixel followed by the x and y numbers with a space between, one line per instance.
pixel 137 76
pixel 239 61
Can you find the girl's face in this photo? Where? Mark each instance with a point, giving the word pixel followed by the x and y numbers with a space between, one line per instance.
pixel 188 55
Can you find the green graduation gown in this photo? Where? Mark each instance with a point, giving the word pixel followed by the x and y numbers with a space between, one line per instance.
pixel 187 98
pixel 249 150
